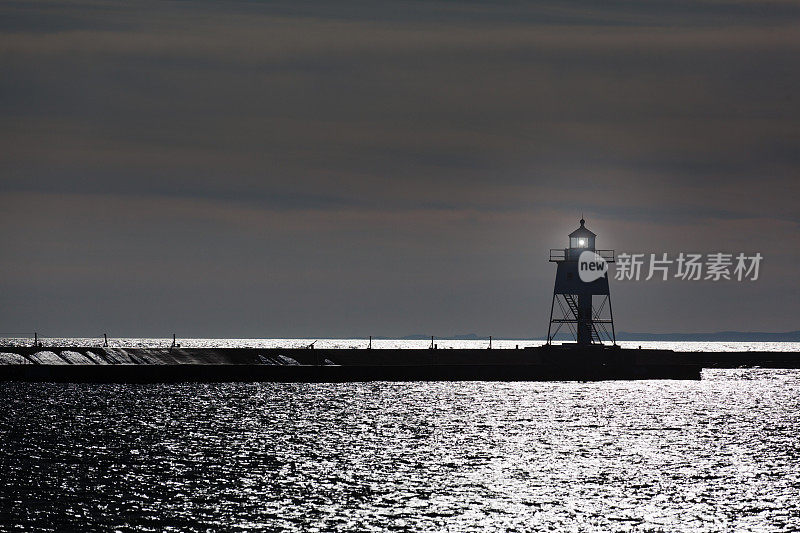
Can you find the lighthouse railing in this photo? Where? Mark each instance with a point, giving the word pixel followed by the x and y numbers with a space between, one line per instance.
pixel 561 254
pixel 607 255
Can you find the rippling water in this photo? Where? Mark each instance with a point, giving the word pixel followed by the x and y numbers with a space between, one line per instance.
pixel 718 454
pixel 684 346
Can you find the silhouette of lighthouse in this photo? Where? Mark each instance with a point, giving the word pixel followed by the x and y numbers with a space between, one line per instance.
pixel 581 297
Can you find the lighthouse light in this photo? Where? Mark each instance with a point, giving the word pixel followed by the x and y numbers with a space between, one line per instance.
pixel 581 242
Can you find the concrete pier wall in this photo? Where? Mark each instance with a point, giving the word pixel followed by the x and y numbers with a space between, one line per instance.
pixel 97 364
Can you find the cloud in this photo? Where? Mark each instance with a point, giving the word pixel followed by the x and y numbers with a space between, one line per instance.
pixel 404 153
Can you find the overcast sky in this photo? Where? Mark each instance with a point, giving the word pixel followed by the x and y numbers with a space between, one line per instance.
pixel 270 169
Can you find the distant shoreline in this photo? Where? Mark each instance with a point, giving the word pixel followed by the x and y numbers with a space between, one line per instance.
pixel 720 336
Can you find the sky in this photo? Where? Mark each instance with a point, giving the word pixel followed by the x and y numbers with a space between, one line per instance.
pixel 338 169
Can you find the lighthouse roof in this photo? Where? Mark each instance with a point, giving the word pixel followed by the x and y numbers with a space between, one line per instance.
pixel 582 231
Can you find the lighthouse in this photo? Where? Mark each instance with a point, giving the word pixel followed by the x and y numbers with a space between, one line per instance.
pixel 581 303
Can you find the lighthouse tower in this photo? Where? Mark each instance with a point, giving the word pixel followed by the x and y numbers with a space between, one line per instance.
pixel 581 298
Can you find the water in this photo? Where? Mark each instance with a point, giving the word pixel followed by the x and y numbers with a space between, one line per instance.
pixel 391 343
pixel 719 454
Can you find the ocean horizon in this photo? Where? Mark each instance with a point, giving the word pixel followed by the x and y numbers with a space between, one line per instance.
pixel 384 343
